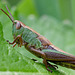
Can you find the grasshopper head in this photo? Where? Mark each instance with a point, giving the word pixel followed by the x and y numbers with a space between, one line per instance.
pixel 17 28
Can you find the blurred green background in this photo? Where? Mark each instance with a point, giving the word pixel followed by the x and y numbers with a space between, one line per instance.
pixel 54 19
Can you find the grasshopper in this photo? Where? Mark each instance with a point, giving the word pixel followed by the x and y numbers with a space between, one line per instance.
pixel 39 46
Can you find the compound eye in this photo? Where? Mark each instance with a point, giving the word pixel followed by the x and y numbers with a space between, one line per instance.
pixel 18 25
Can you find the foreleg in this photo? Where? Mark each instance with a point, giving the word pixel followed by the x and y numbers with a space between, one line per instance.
pixel 17 38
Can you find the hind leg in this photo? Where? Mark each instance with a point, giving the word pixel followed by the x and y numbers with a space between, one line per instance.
pixel 39 54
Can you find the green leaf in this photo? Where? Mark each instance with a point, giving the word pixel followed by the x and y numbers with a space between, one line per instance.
pixel 18 60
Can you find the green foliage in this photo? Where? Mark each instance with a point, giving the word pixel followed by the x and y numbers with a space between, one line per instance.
pixel 18 60
pixel 65 9
pixel 27 7
pixel 49 7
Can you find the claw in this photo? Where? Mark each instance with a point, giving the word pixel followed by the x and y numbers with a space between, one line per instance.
pixel 9 42
pixel 49 70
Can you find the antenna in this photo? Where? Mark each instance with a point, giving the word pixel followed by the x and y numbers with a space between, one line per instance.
pixel 10 13
pixel 7 15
